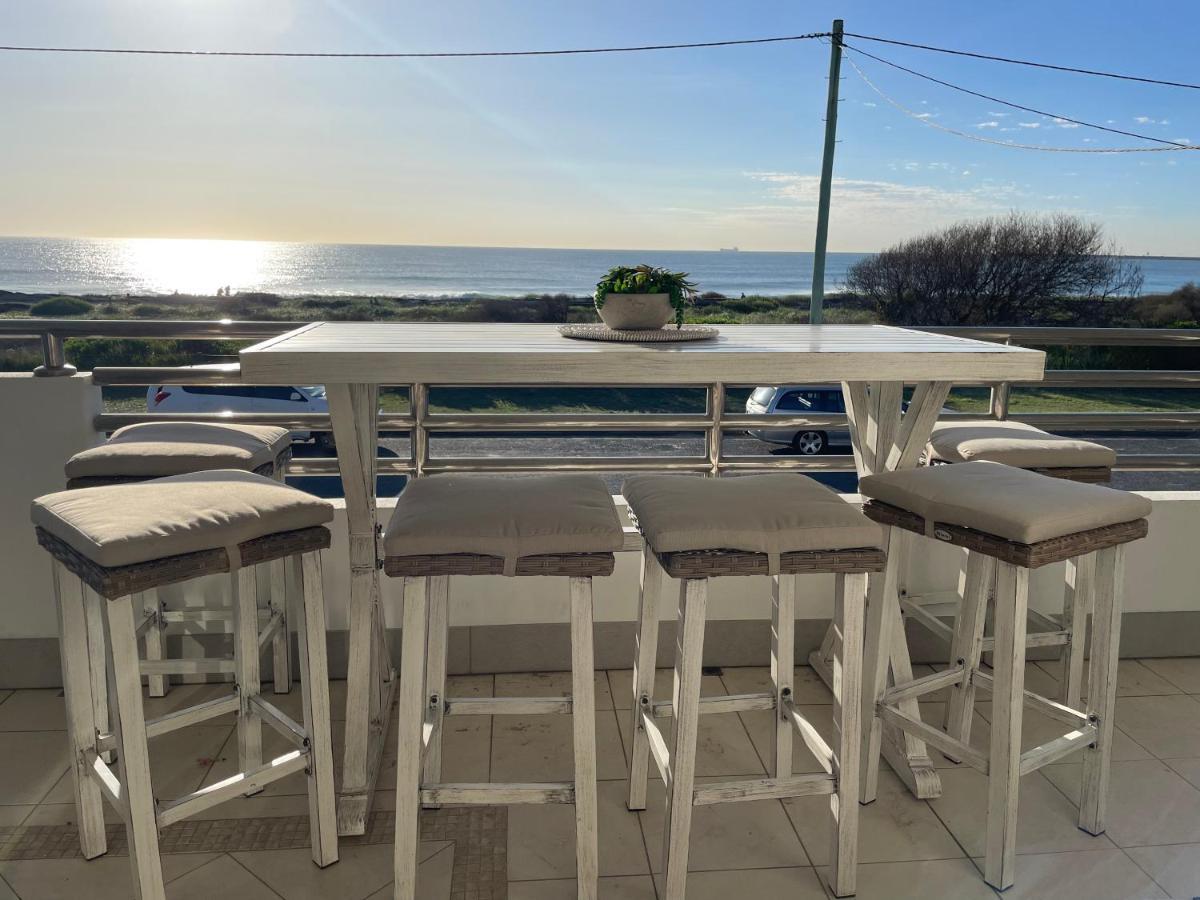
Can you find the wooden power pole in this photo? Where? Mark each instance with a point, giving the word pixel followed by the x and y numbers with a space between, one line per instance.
pixel 816 309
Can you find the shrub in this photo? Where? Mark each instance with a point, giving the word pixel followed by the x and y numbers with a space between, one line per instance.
pixel 60 306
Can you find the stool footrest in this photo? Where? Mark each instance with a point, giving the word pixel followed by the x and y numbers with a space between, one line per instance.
pixel 192 715
pixel 508 706
pixel 1052 751
pixel 763 789
pixel 287 727
pixel 199 665
pixel 233 786
pixel 935 737
pixel 498 794
pixel 927 685
pixel 1044 705
pixel 727 704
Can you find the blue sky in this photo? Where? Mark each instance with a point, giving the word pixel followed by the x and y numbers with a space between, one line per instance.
pixel 681 149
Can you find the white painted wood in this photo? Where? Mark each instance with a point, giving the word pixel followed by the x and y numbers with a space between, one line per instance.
pixel 73 643
pixel 876 653
pixel 240 784
pixel 280 592
pixel 923 409
pixel 659 752
pixel 133 755
pixel 967 644
pixel 951 747
pixel 498 794
pixel 927 684
pixel 268 632
pixel 854 397
pixel 314 695
pixel 192 715
pixel 197 665
pixel 916 610
pixel 645 657
pixel 821 751
pixel 1052 751
pixel 97 662
pixel 1102 686
pixel 1077 603
pixel 884 420
pixel 283 724
pixel 467 353
pixel 689 660
pixel 727 704
pixel 1050 708
pixel 435 674
pixel 1008 694
pixel 583 721
pixel 106 779
pixel 763 789
pixel 783 639
pixel 508 706
pixel 410 716
pixel 243 587
pixel 154 640
pixel 849 610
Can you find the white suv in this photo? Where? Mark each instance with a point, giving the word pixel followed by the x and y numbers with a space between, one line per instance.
pixel 794 400
pixel 199 398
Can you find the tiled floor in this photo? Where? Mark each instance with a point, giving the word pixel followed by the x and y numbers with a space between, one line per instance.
pixel 908 848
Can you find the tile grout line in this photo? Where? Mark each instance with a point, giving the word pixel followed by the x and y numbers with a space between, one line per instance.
pixel 236 862
pixel 1153 880
pixel 637 815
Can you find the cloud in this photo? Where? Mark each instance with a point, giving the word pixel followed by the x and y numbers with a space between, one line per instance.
pixel 927 115
pixel 857 197
pixel 869 104
pixel 1150 120
pixel 989 124
pixel 1030 124
pixel 998 115
pixel 1063 123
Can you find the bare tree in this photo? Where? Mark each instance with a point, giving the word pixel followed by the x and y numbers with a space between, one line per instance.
pixel 1010 270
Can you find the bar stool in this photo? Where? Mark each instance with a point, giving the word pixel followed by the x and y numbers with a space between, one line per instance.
pixel 123 539
pixel 563 525
pixel 1028 447
pixel 778 525
pixel 1010 521
pixel 158 449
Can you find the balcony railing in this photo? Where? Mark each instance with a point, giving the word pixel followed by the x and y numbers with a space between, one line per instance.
pixel 420 423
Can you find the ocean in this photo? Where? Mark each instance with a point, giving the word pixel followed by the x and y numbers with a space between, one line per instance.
pixel 166 266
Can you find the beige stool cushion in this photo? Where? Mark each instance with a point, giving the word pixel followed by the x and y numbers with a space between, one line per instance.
pixel 505 516
pixel 771 514
pixel 123 524
pixel 157 449
pixel 1015 444
pixel 1014 504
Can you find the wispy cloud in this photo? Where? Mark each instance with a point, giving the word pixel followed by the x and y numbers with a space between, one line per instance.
pixel 1063 123
pixel 989 124
pixel 1030 124
pixel 1150 120
pixel 998 115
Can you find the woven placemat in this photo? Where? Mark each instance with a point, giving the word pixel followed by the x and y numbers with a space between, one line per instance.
pixel 670 334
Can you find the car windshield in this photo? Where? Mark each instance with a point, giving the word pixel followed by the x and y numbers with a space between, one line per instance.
pixel 316 391
pixel 762 396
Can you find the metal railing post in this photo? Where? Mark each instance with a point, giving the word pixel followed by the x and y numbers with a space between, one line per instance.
pixel 716 409
pixel 54 357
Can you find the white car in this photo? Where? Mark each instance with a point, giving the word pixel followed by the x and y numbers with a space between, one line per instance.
pixel 794 400
pixel 201 398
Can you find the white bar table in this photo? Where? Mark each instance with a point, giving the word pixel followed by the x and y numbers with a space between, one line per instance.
pixel 872 362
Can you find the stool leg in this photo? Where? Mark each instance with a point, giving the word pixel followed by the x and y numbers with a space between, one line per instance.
pixel 689 659
pixel 243 584
pixel 881 587
pixel 645 658
pixel 97 662
pixel 783 638
pixel 133 752
pixel 849 610
pixel 410 716
pixel 81 713
pixel 435 675
pixel 1102 686
pixel 281 644
pixel 583 715
pixel 1008 696
pixel 1077 603
pixel 148 602
pixel 314 695
pixel 967 644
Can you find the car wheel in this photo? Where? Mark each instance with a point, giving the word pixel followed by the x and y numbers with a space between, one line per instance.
pixel 810 443
pixel 324 441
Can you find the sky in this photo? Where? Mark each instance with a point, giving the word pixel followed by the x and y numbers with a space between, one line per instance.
pixel 684 149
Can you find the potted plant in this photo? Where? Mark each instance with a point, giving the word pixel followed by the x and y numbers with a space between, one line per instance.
pixel 643 297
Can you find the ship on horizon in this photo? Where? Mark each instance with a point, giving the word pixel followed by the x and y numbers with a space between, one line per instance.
pixel 727 250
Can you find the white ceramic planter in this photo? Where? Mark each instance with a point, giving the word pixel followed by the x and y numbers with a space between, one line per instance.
pixel 637 311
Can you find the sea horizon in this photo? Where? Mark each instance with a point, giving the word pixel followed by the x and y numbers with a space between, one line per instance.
pixel 166 266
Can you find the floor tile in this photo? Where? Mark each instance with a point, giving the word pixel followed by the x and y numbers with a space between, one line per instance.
pixel 224 763
pixel 34 761
pixel 110 878
pixel 1188 768
pixel 755 835
pixel 549 684
pixel 1046 820
pixel 797 883
pixel 943 878
pixel 292 703
pixel 621 681
pixel 1085 875
pixel 541 839
pixel 221 877
pixel 895 828
pixel 623 887
pixel 760 726
pixel 6 893
pixel 361 869
pixel 1169 727
pixel 41 710
pixel 540 748
pixel 181 696
pixel 11 816
pixel 1182 672
pixel 1134 679
pixel 4 695
pixel 1037 729
pixel 1148 803
pixel 1175 867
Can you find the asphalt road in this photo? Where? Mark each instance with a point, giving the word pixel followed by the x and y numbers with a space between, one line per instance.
pixel 561 446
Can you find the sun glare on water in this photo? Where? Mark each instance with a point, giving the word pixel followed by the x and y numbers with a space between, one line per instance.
pixel 164 266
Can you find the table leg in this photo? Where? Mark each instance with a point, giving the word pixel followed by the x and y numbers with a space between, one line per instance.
pixel 370 678
pixel 885 439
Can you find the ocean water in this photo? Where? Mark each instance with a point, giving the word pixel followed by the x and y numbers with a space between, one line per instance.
pixel 165 266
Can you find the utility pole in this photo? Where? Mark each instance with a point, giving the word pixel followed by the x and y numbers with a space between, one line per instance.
pixel 816 308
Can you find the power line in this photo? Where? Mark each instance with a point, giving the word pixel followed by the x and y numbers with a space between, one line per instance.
pixel 1012 145
pixel 1028 109
pixel 431 55
pixel 1026 62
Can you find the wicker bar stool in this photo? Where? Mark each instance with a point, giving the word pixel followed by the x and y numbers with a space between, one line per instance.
pixel 110 543
pixel 783 526
pixel 1009 521
pixel 1027 447
pixel 563 525
pixel 158 449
